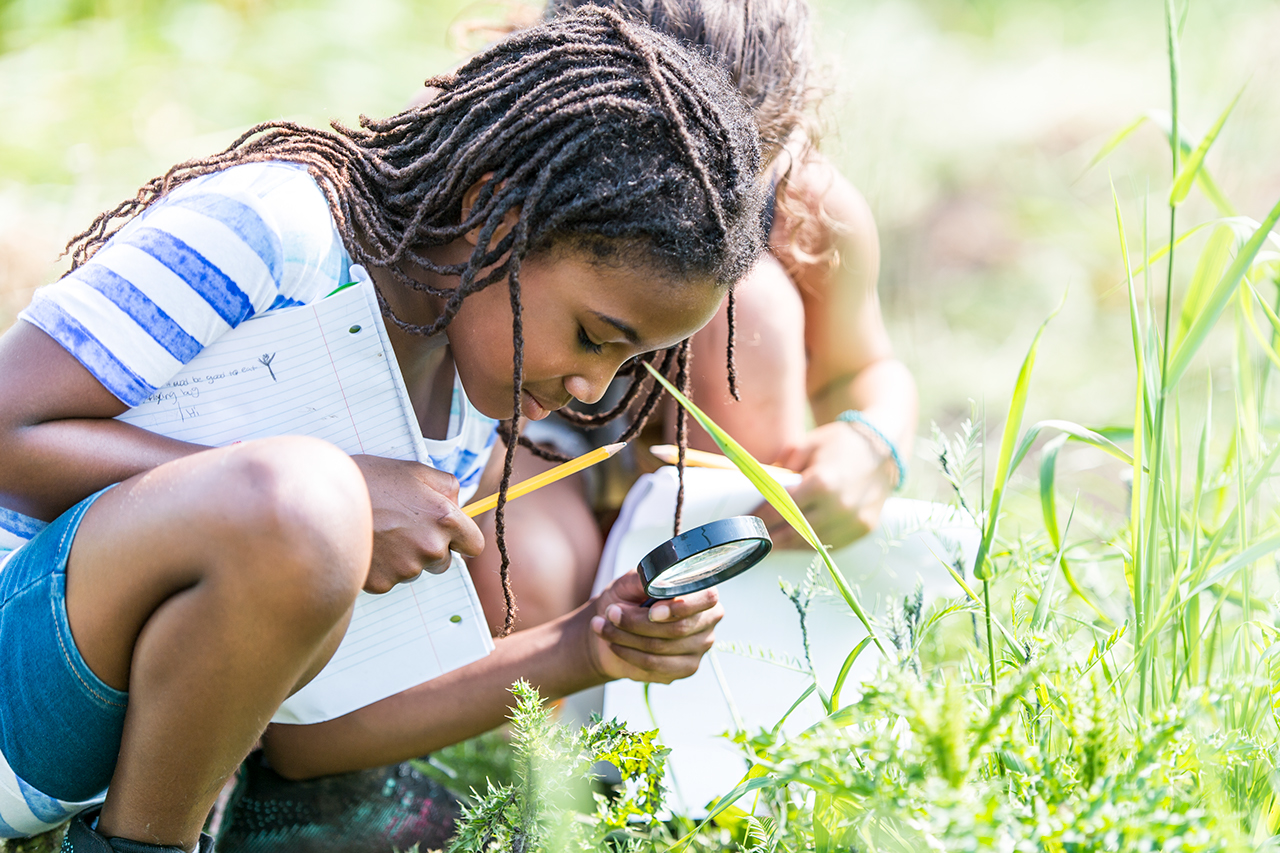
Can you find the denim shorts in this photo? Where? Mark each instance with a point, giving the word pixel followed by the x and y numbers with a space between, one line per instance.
pixel 60 725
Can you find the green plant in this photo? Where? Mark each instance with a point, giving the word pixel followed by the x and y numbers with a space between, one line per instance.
pixel 553 768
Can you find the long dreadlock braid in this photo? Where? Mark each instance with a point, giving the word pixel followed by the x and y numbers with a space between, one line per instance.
pixel 606 137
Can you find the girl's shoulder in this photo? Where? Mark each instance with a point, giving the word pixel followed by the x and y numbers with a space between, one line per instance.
pixel 280 209
pixel 820 213
pixel 199 261
pixel 271 215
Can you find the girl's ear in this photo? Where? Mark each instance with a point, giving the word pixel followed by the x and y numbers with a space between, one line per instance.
pixel 509 219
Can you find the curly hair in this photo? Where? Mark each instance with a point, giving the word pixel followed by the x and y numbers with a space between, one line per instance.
pixel 601 132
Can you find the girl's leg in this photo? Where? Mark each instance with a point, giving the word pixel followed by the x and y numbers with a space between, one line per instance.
pixel 210 589
pixel 554 543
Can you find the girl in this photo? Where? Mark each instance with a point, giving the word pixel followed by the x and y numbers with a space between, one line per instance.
pixel 576 197
pixel 808 316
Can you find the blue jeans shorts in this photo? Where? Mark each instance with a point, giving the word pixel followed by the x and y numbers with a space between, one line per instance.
pixel 60 725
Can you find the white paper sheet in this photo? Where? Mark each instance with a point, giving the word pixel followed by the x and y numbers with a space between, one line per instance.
pixel 327 370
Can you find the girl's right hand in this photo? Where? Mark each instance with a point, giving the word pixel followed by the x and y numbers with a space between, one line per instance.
pixel 416 521
pixel 661 643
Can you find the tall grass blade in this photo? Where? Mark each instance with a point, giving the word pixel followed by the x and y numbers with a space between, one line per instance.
pixel 1072 430
pixel 1236 563
pixel 752 782
pixel 1008 442
pixel 1217 302
pixel 1208 185
pixel 1114 142
pixel 977 599
pixel 1133 565
pixel 1182 185
pixel 778 497
pixel 1048 507
pixel 1213 260
pixel 844 672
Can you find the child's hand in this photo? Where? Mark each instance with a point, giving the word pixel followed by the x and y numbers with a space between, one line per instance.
pixel 416 521
pixel 845 481
pixel 662 643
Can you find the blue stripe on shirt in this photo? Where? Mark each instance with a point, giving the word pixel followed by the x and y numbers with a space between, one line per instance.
pixel 7 831
pixel 19 524
pixel 283 301
pixel 44 807
pixel 214 286
pixel 244 221
pixel 139 306
pixel 128 386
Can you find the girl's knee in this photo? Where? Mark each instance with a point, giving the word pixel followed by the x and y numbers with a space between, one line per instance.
pixel 294 516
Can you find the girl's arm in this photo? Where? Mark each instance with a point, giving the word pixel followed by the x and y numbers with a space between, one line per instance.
pixel 810 334
pixel 58 440
pixel 612 636
pixel 59 443
pixel 848 470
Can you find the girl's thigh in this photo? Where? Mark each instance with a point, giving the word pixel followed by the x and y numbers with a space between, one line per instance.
pixel 554 543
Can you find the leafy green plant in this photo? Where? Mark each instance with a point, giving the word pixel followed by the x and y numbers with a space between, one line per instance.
pixel 554 767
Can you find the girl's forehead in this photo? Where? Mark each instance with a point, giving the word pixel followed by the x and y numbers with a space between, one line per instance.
pixel 651 309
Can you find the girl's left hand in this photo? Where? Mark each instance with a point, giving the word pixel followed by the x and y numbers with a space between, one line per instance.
pixel 661 643
pixel 845 480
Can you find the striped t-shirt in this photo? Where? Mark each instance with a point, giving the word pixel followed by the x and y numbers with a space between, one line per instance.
pixel 211 254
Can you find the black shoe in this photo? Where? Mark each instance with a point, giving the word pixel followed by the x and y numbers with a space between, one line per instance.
pixel 81 839
pixel 370 811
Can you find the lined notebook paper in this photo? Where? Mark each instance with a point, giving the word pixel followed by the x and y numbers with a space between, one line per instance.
pixel 327 370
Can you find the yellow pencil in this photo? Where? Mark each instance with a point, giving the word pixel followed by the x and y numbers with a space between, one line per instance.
pixel 546 478
pixel 668 453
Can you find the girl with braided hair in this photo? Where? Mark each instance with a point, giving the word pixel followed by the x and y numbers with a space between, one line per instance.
pixel 811 335
pixel 579 196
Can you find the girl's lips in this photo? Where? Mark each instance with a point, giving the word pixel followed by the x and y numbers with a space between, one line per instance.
pixel 531 408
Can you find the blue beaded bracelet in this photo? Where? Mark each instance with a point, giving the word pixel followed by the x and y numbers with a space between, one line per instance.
pixel 853 416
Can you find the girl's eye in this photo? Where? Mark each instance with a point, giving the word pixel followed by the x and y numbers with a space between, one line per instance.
pixel 588 344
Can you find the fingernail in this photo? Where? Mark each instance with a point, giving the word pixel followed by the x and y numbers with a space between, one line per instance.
pixel 597 624
pixel 659 613
pixel 614 612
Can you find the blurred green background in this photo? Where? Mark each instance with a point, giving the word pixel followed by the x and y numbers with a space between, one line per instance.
pixel 968 124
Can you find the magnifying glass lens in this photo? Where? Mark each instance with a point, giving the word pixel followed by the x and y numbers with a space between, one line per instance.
pixel 702 565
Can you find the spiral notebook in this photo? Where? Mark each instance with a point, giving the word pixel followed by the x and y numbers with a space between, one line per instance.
pixel 327 370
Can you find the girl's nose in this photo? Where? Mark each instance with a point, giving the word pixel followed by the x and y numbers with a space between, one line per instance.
pixel 588 388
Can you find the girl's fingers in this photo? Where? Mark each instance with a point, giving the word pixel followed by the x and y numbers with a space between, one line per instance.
pixel 622 620
pixel 660 668
pixel 464 534
pixel 692 644
pixel 675 609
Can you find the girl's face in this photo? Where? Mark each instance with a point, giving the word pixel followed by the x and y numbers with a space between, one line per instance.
pixel 581 321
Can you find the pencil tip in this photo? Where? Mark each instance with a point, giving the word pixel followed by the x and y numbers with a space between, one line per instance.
pixel 614 448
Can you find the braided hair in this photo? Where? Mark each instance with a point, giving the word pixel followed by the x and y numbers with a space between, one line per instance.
pixel 763 44
pixel 765 47
pixel 603 134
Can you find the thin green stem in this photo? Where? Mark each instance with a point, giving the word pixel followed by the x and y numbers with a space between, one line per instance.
pixel 991 646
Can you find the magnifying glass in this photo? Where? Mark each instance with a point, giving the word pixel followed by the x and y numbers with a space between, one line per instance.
pixel 704 556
